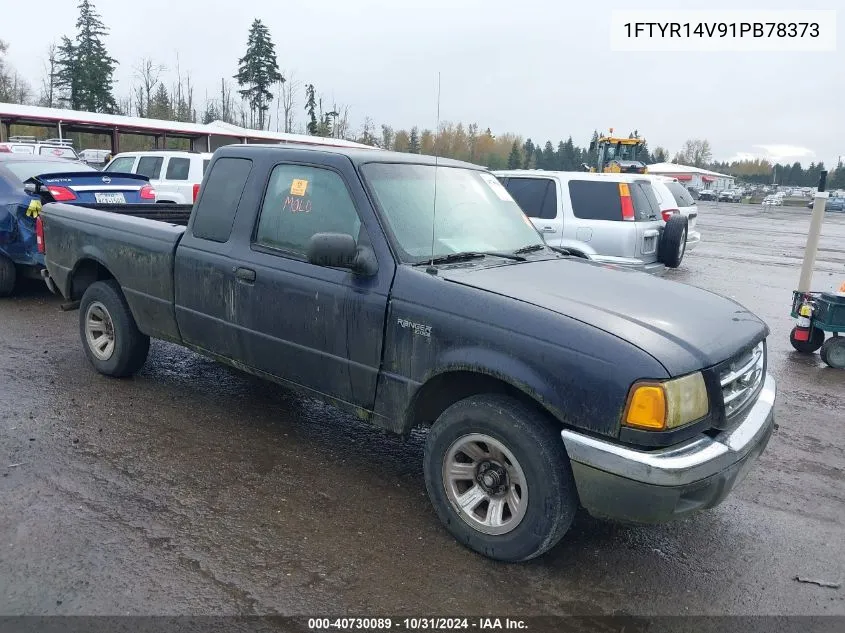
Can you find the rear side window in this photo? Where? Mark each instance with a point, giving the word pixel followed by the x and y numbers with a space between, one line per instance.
pixel 205 165
pixel 537 197
pixel 215 213
pixel 178 168
pixel 595 200
pixel 646 205
pixel 682 196
pixel 122 164
pixel 150 166
pixel 300 202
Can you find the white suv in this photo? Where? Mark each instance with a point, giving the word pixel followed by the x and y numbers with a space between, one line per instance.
pixel 609 218
pixel 674 198
pixel 176 176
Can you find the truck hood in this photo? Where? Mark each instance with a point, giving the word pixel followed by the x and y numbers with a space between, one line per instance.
pixel 682 327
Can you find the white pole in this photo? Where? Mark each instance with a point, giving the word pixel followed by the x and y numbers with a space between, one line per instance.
pixel 813 236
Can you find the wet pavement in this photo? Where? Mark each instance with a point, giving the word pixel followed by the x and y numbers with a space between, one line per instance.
pixel 192 488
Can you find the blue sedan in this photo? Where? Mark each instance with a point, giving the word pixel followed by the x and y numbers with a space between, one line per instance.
pixel 27 182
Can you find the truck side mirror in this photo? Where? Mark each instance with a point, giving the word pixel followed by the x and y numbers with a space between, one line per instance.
pixel 339 250
pixel 31 188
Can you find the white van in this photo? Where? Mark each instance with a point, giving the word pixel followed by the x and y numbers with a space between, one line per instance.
pixel 176 176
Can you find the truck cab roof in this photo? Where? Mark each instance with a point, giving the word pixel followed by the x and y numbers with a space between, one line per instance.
pixel 358 156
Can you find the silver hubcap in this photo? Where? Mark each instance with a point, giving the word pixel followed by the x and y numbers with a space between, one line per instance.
pixel 99 331
pixel 682 246
pixel 485 484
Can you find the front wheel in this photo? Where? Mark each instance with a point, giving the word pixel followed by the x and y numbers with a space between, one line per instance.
pixel 110 336
pixel 499 478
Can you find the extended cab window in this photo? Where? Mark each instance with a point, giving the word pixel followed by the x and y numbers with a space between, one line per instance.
pixel 537 197
pixel 178 168
pixel 150 166
pixel 595 200
pixel 300 202
pixel 122 164
pixel 215 213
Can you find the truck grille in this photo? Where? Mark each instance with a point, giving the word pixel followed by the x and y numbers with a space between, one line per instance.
pixel 742 379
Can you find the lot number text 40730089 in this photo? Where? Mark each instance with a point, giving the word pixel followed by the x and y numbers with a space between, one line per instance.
pixel 416 624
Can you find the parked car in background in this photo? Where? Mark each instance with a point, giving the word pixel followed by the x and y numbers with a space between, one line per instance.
pixel 175 175
pixel 834 203
pixel 27 182
pixel 54 147
pixel 673 197
pixel 730 195
pixel 97 158
pixel 612 218
pixel 708 194
pixel 772 201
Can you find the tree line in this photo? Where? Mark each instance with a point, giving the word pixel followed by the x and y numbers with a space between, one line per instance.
pixel 79 74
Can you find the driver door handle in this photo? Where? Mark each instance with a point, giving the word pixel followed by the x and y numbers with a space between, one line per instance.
pixel 245 274
pixel 548 229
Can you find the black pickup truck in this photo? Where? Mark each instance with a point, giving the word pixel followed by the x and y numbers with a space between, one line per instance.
pixel 415 293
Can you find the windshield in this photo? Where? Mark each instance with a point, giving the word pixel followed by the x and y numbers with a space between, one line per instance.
pixel 474 211
pixel 24 170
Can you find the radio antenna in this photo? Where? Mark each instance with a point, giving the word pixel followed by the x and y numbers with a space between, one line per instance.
pixel 431 269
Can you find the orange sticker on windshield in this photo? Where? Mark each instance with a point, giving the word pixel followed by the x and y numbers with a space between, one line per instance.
pixel 298 187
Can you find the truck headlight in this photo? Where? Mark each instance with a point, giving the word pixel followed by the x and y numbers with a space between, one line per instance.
pixel 662 406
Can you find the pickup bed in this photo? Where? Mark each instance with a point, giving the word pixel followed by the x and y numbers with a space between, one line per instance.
pixel 546 381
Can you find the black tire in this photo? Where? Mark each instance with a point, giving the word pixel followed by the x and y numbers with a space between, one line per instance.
pixel 8 275
pixel 809 346
pixel 673 242
pixel 129 346
pixel 833 352
pixel 534 441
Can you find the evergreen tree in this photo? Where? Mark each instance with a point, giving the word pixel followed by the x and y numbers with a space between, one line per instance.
pixel 515 157
pixel 160 105
pixel 836 178
pixel 85 71
pixel 311 109
pixel 571 156
pixel 528 154
pixel 559 156
pixel 660 155
pixel 548 157
pixel 538 157
pixel 414 141
pixel 258 70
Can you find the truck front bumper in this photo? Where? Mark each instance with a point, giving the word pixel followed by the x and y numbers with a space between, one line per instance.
pixel 627 484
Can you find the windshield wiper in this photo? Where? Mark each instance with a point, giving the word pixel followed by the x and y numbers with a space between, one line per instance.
pixel 532 248
pixel 468 255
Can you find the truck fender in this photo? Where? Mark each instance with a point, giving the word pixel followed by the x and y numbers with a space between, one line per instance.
pixel 89 253
pixel 466 371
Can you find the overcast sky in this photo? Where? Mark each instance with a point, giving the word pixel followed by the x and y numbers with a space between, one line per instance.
pixel 539 68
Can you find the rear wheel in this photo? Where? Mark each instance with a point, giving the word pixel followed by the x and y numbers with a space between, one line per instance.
pixel 8 275
pixel 814 342
pixel 498 475
pixel 673 242
pixel 110 336
pixel 833 352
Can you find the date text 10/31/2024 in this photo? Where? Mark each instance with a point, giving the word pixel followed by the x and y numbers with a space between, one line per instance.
pixel 416 624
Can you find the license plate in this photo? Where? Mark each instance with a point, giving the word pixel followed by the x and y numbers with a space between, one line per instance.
pixel 110 198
